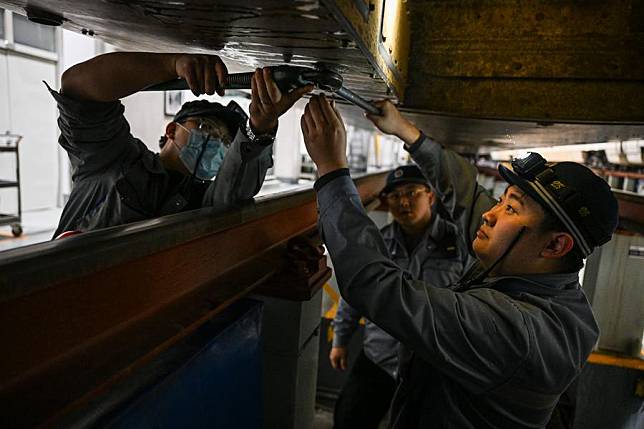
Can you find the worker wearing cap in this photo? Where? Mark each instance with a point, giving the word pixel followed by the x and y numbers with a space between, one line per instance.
pixel 424 244
pixel 498 348
pixel 116 179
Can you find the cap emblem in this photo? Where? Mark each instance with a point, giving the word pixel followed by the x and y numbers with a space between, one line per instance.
pixel 398 173
pixel 583 212
pixel 557 184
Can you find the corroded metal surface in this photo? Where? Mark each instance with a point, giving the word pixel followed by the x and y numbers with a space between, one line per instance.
pixel 382 30
pixel 562 60
pixel 253 32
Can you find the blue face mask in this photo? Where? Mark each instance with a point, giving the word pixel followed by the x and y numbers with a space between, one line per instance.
pixel 203 154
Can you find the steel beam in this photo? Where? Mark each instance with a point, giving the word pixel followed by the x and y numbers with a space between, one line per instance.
pixel 92 308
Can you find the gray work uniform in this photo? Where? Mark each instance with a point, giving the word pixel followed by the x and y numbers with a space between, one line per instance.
pixel 496 354
pixel 435 259
pixel 116 179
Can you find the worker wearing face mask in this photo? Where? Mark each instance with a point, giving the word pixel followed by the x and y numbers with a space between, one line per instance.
pixel 116 179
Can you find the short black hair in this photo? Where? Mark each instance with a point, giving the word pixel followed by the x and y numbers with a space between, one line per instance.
pixel 573 260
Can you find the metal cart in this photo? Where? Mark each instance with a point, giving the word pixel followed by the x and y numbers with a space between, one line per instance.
pixel 9 144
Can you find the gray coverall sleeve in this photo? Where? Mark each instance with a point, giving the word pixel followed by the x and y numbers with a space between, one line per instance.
pixel 454 180
pixel 95 135
pixel 241 174
pixel 478 337
pixel 345 323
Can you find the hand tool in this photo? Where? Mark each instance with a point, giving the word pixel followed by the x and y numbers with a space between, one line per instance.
pixel 287 78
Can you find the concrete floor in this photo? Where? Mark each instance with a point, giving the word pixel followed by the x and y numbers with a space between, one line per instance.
pixel 37 225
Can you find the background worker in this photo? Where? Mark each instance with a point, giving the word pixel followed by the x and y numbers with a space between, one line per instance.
pixel 116 179
pixel 420 242
pixel 497 349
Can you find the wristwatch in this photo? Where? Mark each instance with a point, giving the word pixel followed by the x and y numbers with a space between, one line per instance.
pixel 261 139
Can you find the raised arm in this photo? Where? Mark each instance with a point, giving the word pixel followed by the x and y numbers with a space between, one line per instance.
pixel 452 176
pixel 244 168
pixel 112 76
pixel 477 337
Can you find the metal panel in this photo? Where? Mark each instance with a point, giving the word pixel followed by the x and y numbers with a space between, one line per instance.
pixel 382 31
pixel 545 63
pixel 618 301
pixel 211 378
pixel 559 60
pixel 290 333
pixel 254 33
pixel 606 399
pixel 217 386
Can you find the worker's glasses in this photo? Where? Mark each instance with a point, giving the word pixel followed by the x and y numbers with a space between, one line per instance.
pixel 209 128
pixel 410 194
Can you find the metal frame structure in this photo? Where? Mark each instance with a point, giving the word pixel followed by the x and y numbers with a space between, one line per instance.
pixel 82 314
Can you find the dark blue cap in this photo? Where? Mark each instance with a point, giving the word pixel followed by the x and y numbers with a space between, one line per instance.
pixel 232 115
pixel 404 174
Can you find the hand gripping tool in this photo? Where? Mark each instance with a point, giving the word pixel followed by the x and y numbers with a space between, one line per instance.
pixel 287 78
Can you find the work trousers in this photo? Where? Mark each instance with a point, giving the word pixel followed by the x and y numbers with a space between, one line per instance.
pixel 365 397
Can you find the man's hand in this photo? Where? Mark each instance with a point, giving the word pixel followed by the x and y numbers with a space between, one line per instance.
pixel 339 357
pixel 205 74
pixel 268 103
pixel 392 122
pixel 324 135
